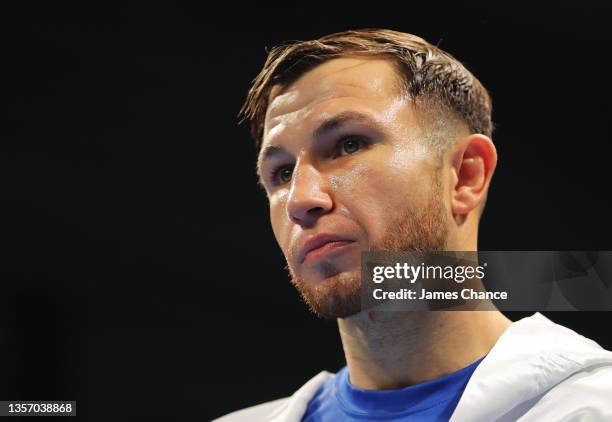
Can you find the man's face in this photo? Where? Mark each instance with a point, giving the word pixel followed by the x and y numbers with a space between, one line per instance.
pixel 345 170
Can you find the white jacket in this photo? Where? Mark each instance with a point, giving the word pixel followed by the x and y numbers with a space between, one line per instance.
pixel 537 371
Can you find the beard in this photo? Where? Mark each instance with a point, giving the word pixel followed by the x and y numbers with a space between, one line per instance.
pixel 419 229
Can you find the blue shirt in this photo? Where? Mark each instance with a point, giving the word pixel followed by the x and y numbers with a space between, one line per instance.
pixel 339 400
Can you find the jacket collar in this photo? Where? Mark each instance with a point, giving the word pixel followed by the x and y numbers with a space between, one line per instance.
pixel 532 356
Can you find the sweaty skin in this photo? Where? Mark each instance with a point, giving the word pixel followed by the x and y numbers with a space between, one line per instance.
pixel 343 154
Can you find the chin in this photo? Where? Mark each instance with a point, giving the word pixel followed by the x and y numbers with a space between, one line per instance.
pixel 331 297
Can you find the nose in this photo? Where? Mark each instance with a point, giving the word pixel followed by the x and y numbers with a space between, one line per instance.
pixel 309 198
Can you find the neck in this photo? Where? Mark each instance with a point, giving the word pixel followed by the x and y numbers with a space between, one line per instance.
pixel 389 350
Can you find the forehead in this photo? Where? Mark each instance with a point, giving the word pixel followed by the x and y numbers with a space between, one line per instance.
pixel 338 84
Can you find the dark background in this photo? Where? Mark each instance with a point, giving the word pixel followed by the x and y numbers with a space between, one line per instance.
pixel 140 275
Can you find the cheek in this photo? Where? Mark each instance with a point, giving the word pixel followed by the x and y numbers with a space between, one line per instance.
pixel 278 218
pixel 374 192
pixel 363 195
pixel 364 186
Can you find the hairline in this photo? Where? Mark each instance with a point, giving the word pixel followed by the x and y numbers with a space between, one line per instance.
pixel 426 106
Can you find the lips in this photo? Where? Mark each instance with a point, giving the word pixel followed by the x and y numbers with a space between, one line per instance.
pixel 321 243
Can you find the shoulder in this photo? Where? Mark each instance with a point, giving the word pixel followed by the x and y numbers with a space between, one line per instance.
pixel 260 412
pixel 288 408
pixel 540 371
pixel 585 395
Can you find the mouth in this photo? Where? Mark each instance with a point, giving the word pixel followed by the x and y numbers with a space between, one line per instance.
pixel 322 245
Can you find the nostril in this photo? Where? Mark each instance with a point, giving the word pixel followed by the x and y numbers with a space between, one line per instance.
pixel 306 215
pixel 315 210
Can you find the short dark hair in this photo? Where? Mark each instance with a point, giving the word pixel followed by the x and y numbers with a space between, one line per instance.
pixel 427 72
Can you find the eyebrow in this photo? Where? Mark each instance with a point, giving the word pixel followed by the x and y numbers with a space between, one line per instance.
pixel 329 125
pixel 336 122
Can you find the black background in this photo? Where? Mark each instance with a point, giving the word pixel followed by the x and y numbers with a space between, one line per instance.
pixel 140 275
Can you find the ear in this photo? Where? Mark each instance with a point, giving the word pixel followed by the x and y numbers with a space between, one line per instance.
pixel 473 162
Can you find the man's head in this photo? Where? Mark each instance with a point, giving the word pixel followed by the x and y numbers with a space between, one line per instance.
pixel 369 140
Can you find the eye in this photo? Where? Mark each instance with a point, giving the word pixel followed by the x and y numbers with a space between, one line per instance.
pixel 350 145
pixel 282 174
